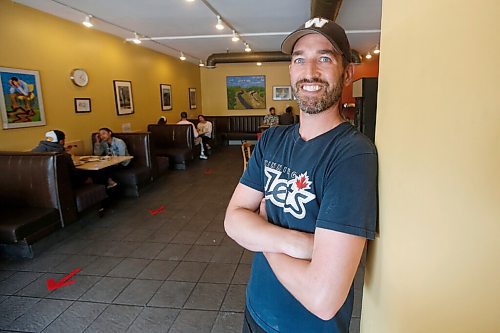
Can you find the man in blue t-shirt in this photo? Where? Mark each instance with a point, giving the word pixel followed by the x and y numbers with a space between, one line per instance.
pixel 308 200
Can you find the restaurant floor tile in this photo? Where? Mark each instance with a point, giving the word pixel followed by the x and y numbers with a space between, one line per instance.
pixel 176 271
pixel 76 318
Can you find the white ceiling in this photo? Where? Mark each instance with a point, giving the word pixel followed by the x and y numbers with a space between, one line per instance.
pixel 170 18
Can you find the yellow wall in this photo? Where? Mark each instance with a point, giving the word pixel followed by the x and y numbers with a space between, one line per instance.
pixel 434 267
pixel 213 84
pixel 34 40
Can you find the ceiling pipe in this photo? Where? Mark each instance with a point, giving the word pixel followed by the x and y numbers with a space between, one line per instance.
pixel 224 58
pixel 328 9
pixel 355 57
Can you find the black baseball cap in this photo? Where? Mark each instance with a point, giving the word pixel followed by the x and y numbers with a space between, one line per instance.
pixel 331 30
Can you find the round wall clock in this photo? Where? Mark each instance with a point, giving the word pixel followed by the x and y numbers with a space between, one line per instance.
pixel 79 77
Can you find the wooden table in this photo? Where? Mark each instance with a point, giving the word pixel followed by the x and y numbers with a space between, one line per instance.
pixel 96 163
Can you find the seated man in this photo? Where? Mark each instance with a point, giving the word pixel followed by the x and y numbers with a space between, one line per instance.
pixel 271 119
pixel 20 90
pixel 162 121
pixel 197 139
pixel 107 144
pixel 205 131
pixel 287 118
pixel 54 143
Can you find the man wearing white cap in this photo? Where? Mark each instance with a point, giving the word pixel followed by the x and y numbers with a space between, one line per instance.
pixel 307 201
pixel 54 142
pixel 162 121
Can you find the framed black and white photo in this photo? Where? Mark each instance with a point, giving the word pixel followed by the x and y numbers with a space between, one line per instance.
pixel 282 93
pixel 192 98
pixel 123 97
pixel 166 97
pixel 82 105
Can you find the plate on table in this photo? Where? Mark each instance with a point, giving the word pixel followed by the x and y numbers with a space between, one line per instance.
pixel 89 159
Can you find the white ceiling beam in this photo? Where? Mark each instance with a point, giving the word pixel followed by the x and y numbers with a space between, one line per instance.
pixel 256 34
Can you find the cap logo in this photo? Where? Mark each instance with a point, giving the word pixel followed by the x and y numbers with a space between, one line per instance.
pixel 317 22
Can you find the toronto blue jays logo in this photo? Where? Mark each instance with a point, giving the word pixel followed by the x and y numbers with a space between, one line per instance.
pixel 291 195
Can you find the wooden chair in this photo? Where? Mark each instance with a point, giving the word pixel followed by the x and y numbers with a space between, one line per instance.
pixel 247 152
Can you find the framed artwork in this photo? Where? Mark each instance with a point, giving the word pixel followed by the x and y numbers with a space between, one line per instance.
pixel 82 105
pixel 192 98
pixel 166 97
pixel 21 102
pixel 282 93
pixel 123 97
pixel 246 92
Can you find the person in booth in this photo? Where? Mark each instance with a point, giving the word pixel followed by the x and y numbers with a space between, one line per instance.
pixel 271 119
pixel 197 139
pixel 287 118
pixel 162 121
pixel 54 143
pixel 107 145
pixel 204 128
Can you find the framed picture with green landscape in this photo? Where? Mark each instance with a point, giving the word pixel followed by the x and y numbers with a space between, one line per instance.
pixel 246 92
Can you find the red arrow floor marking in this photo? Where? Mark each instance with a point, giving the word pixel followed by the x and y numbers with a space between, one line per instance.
pixel 53 285
pixel 209 171
pixel 157 211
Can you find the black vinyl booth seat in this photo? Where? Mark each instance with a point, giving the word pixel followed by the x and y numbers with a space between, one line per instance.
pixel 243 127
pixel 29 196
pixel 21 224
pixel 175 142
pixel 37 195
pixel 89 195
pixel 234 127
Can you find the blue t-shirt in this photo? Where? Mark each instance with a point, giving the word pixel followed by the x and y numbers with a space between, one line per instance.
pixel 327 182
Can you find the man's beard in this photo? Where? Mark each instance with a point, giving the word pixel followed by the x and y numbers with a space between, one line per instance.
pixel 315 105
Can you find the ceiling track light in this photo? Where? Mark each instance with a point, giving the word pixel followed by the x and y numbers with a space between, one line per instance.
pixel 368 55
pixel 235 37
pixel 88 21
pixel 219 24
pixel 259 63
pixel 136 39
pixel 182 57
pixel 377 49
pixel 201 64
pixel 247 48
